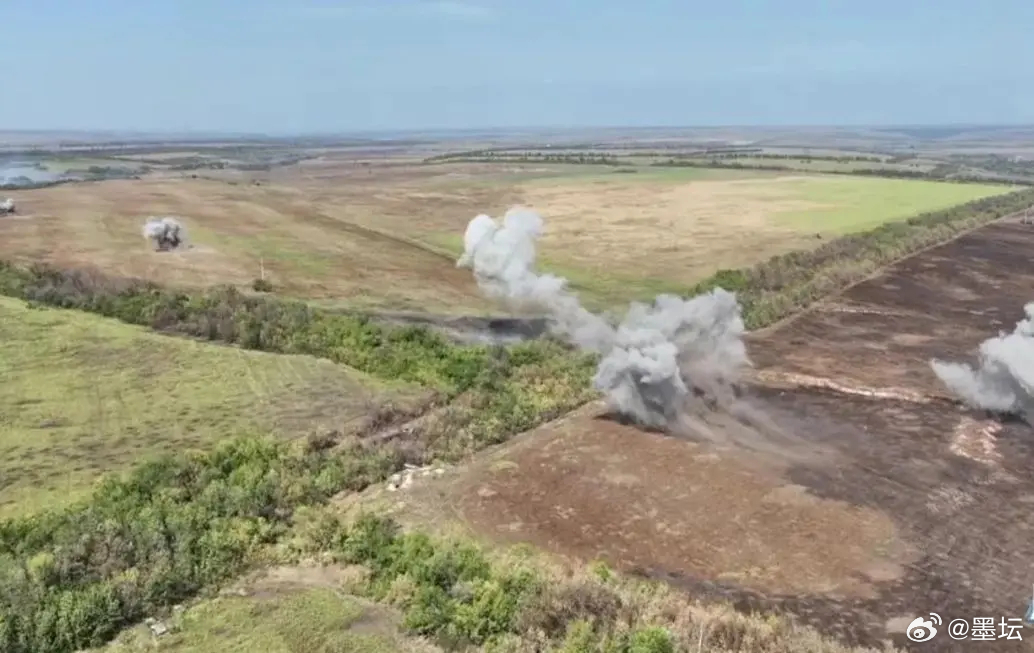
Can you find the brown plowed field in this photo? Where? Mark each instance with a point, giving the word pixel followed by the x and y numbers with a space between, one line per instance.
pixel 912 507
pixel 941 303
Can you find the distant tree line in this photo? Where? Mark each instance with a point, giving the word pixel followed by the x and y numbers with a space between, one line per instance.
pixel 943 172
pixel 494 156
pixel 1020 173
pixel 843 158
pixel 1001 164
pixel 566 155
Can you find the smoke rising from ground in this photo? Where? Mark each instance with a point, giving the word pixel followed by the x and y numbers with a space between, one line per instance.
pixel 661 362
pixel 1003 380
pixel 164 233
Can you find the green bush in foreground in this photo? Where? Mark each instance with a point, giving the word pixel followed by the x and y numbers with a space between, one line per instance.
pixel 178 525
pixel 451 592
pixel 73 579
pixel 454 594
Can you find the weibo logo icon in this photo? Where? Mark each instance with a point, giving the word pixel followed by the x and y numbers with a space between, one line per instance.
pixel 923 630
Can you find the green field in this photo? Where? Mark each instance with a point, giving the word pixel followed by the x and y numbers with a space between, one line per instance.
pixel 621 237
pixel 83 395
pixel 859 203
pixel 300 620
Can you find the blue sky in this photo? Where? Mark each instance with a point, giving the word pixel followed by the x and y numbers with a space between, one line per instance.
pixel 289 66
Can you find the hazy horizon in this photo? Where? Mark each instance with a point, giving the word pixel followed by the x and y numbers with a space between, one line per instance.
pixel 501 131
pixel 320 67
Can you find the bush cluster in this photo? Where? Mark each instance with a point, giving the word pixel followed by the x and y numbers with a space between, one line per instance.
pixel 72 579
pixel 451 592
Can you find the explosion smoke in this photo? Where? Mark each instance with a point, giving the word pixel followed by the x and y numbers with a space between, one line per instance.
pixel 1004 380
pixel 7 206
pixel 658 364
pixel 165 233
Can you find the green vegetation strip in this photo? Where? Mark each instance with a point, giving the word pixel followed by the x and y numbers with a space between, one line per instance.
pixel 176 526
pixel 869 166
pixel 71 579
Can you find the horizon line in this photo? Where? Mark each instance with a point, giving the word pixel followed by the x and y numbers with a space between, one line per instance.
pixel 499 128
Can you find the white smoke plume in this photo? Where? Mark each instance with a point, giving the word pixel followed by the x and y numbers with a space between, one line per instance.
pixel 1003 380
pixel 657 364
pixel 165 233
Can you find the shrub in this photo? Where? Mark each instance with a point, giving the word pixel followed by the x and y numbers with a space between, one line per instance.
pixel 156 537
pixel 262 285
pixel 651 640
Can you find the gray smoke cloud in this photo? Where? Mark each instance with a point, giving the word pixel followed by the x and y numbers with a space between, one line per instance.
pixel 164 233
pixel 661 362
pixel 7 206
pixel 1003 380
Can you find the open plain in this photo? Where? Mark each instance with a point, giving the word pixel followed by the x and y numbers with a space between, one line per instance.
pixel 848 492
pixel 333 230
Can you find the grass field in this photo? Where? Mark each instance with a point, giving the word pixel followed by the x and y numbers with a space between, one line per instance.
pixel 630 236
pixel 846 204
pixel 83 395
pixel 311 245
pixel 277 620
pixel 386 236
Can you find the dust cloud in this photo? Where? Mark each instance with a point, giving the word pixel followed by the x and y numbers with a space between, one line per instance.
pixel 164 233
pixel 660 364
pixel 1003 380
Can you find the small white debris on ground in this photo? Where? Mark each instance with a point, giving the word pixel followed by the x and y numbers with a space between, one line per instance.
pixel 948 500
pixel 158 628
pixel 807 381
pixel 977 441
pixel 402 480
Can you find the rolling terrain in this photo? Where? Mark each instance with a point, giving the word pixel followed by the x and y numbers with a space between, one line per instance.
pixel 856 495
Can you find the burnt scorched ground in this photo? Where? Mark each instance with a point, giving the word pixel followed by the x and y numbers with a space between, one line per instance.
pixel 911 504
pixel 921 508
pixel 941 303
